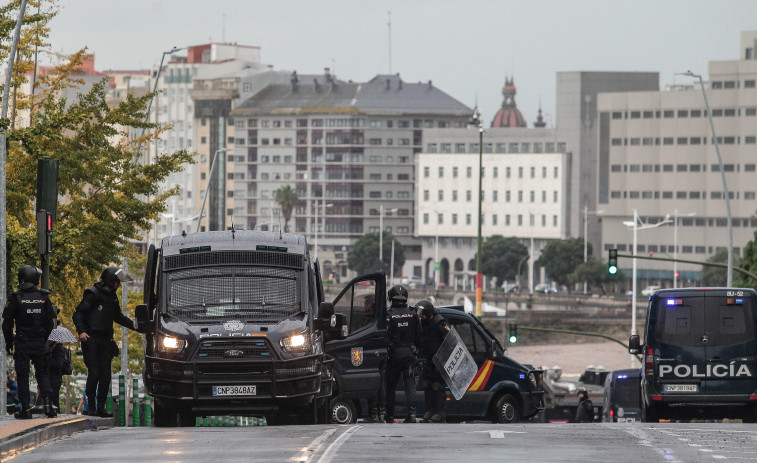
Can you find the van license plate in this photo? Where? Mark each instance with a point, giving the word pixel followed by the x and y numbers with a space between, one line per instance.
pixel 234 390
pixel 681 388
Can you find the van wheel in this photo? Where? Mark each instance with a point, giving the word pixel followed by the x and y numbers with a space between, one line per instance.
pixel 650 414
pixel 506 409
pixel 342 411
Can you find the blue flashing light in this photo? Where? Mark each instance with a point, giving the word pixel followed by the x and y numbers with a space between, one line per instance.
pixel 622 376
pixel 522 376
pixel 674 302
pixel 739 301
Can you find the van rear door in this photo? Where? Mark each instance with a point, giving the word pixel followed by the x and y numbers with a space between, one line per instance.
pixel 679 345
pixel 731 347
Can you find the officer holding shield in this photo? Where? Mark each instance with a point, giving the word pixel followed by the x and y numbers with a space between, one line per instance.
pixel 435 329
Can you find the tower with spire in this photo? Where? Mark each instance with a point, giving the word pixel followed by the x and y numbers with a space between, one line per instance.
pixel 509 115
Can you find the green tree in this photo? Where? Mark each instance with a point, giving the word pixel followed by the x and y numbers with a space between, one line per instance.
pixel 748 263
pixel 594 273
pixel 561 258
pixel 500 257
pixel 363 258
pixel 286 198
pixel 718 276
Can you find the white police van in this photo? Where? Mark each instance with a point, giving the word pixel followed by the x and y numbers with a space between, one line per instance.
pixel 699 354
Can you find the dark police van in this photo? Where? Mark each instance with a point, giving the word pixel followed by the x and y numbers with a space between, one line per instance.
pixel 699 354
pixel 232 327
pixel 622 396
pixel 503 390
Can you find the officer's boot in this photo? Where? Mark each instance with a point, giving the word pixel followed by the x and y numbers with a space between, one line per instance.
pixel 92 406
pixel 410 418
pixel 440 409
pixel 50 408
pixel 23 414
pixel 102 412
pixel 373 416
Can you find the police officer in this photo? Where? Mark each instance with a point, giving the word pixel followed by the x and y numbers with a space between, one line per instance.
pixel 435 329
pixel 94 318
pixel 34 316
pixel 404 330
pixel 585 409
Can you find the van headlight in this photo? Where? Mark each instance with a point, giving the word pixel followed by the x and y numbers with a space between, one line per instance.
pixel 296 343
pixel 171 344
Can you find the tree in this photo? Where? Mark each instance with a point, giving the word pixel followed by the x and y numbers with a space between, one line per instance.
pixel 594 273
pixel 748 263
pixel 718 276
pixel 363 258
pixel 500 257
pixel 109 196
pixel 561 258
pixel 287 198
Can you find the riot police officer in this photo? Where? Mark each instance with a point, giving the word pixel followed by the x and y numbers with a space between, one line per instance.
pixel 435 329
pixel 34 316
pixel 94 318
pixel 404 331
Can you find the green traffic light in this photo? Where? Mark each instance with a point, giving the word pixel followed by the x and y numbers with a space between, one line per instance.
pixel 612 270
pixel 513 339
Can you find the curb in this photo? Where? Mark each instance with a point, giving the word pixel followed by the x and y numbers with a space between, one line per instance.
pixel 31 438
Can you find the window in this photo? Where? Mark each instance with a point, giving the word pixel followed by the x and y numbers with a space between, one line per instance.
pixel 468 195
pixel 425 195
pixel 454 172
pixel 520 172
pixel 467 219
pixel 533 172
pixel 454 219
pixel 441 172
pixel 425 219
pixel 426 172
pixel 440 219
pixel 468 172
pixel 440 195
pixel 454 195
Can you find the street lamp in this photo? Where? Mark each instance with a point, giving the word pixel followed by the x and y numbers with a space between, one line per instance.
pixel 173 219
pixel 155 85
pixel 381 232
pixel 477 121
pixel 675 245
pixel 437 273
pixel 729 279
pixel 207 186
pixel 586 220
pixel 636 228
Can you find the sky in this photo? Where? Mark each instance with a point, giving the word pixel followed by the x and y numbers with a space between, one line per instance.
pixel 465 47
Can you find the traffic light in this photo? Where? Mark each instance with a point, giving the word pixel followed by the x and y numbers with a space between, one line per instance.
pixel 44 232
pixel 513 333
pixel 612 261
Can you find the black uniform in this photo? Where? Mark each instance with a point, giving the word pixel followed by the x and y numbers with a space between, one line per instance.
pixel 58 360
pixel 585 409
pixel 404 329
pixel 95 315
pixel 33 314
pixel 435 329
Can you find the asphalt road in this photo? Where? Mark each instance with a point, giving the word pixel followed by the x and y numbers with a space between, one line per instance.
pixel 480 442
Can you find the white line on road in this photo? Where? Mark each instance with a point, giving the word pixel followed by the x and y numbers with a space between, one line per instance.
pixel 314 446
pixel 332 449
pixel 499 434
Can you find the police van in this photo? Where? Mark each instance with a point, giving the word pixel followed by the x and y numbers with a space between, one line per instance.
pixel 699 355
pixel 502 391
pixel 622 397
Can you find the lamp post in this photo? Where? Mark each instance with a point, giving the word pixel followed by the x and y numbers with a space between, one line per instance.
pixel 586 220
pixel 155 85
pixel 477 121
pixel 636 228
pixel 207 187
pixel 729 279
pixel 381 232
pixel 675 245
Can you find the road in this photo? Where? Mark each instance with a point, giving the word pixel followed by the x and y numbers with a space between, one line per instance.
pixel 479 442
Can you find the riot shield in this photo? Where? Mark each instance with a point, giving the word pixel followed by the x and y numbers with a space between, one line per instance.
pixel 455 364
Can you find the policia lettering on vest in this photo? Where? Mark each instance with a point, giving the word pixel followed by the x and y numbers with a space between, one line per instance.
pixel 94 318
pixel 33 315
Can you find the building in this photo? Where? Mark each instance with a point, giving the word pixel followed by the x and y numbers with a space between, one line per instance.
pixel 347 148
pixel 657 155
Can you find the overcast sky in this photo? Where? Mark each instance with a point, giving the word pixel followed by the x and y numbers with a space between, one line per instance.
pixel 466 47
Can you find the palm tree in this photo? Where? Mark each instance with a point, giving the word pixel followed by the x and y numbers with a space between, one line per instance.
pixel 287 198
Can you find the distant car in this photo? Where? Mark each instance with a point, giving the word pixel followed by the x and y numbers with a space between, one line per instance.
pixel 649 290
pixel 544 288
pixel 412 281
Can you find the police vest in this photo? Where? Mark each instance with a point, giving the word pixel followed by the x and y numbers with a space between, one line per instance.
pixel 32 317
pixel 403 326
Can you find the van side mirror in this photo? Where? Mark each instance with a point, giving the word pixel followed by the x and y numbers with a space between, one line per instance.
pixel 493 349
pixel 634 344
pixel 142 314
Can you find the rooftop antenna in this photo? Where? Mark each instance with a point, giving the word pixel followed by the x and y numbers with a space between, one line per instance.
pixel 389 25
pixel 223 28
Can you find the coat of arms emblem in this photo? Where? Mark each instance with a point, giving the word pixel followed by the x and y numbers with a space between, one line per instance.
pixel 357 356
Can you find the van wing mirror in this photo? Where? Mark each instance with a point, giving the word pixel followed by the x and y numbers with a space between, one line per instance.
pixel 634 344
pixel 142 314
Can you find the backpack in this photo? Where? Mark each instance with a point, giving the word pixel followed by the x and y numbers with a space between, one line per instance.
pixel 68 367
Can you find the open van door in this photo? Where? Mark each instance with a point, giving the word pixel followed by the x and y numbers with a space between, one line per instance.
pixel 360 356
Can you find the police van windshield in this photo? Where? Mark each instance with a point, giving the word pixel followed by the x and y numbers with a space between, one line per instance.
pixel 222 292
pixel 627 391
pixel 683 321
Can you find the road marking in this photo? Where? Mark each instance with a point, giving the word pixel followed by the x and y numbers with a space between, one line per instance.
pixel 334 447
pixel 719 457
pixel 314 446
pixel 498 434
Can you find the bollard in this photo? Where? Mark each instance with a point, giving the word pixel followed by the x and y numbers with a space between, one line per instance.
pixel 198 421
pixel 206 421
pixel 121 401
pixel 135 403
pixel 148 411
pixel 109 400
pixel 212 421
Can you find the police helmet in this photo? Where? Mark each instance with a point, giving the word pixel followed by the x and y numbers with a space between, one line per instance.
pixel 29 274
pixel 111 275
pixel 427 308
pixel 398 293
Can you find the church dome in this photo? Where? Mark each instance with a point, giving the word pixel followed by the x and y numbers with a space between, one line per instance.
pixel 509 115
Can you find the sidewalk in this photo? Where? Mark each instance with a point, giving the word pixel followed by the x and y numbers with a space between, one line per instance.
pixel 17 436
